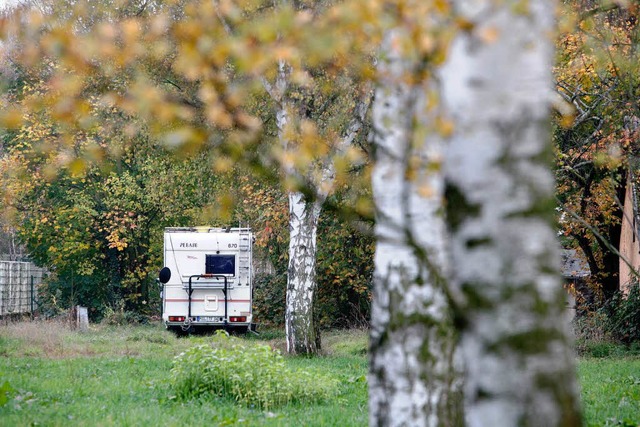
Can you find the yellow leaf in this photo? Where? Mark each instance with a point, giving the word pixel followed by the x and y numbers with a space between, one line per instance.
pixel 444 126
pixel 11 118
pixel 489 34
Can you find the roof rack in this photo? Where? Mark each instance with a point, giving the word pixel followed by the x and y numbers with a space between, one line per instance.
pixel 206 229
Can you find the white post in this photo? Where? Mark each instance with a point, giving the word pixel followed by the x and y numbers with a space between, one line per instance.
pixel 82 318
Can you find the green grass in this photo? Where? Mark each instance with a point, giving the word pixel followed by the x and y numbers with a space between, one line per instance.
pixel 118 376
pixel 611 391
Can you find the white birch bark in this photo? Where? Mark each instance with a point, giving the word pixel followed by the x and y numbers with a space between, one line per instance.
pixel 412 378
pixel 515 339
pixel 302 335
pixel 301 332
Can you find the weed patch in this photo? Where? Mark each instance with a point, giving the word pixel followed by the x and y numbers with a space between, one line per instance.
pixel 249 373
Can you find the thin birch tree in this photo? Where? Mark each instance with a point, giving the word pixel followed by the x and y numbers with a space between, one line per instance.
pixel 316 177
pixel 304 209
pixel 310 180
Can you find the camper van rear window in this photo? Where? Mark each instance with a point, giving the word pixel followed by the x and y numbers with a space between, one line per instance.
pixel 221 264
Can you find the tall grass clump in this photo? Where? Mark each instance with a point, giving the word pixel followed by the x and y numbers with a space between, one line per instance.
pixel 249 373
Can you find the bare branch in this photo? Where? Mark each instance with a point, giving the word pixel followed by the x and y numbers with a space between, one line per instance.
pixel 600 237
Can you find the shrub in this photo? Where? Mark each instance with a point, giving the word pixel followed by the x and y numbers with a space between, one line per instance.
pixel 602 349
pixel 269 297
pixel 591 326
pixel 57 294
pixel 344 271
pixel 251 374
pixel 624 315
pixel 118 316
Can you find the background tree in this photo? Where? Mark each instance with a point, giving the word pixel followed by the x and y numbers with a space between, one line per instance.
pixel 97 226
pixel 316 119
pixel 597 75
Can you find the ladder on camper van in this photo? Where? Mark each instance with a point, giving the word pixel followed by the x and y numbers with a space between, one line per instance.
pixel 245 250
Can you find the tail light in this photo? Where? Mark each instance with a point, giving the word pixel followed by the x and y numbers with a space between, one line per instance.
pixel 238 319
pixel 176 318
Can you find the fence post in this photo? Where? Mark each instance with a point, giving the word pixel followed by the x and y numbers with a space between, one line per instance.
pixel 32 296
pixel 82 318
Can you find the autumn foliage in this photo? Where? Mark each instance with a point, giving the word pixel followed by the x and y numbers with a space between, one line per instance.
pixel 597 132
pixel 102 95
pixel 344 265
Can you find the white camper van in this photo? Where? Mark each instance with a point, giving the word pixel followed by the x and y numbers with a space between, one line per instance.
pixel 207 278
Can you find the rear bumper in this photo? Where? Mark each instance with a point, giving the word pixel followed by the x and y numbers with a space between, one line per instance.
pixel 198 322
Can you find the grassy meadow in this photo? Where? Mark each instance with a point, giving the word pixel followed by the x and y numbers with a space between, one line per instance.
pixel 119 376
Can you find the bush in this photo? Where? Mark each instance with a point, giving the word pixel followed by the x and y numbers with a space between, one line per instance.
pixel 269 299
pixel 592 338
pixel 602 349
pixel 623 312
pixel 344 271
pixel 251 374
pixel 591 326
pixel 57 294
pixel 118 316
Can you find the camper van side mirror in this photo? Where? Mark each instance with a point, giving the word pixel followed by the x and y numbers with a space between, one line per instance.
pixel 164 275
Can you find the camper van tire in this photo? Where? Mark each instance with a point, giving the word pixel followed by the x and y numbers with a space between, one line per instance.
pixel 240 330
pixel 178 331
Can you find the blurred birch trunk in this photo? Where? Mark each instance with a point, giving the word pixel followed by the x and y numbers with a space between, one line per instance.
pixel 515 336
pixel 412 375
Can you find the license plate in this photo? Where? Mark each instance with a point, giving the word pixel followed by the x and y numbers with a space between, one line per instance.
pixel 207 319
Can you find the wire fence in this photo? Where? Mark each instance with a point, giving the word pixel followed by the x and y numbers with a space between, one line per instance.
pixel 18 284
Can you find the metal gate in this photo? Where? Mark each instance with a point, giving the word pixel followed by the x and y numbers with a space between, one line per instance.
pixel 18 284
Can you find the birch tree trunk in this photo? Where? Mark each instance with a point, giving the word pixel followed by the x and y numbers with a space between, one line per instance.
pixel 412 375
pixel 301 332
pixel 302 336
pixel 515 338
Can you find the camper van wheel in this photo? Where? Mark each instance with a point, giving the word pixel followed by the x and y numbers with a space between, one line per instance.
pixel 179 331
pixel 239 330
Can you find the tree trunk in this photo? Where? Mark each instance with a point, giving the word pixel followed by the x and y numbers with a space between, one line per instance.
pixel 302 336
pixel 611 259
pixel 412 380
pixel 515 336
pixel 605 272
